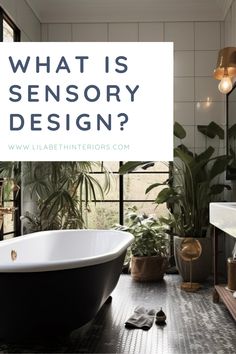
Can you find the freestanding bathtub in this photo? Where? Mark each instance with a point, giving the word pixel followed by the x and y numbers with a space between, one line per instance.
pixel 52 282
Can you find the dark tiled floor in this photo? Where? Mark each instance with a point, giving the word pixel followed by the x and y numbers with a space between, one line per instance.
pixel 195 325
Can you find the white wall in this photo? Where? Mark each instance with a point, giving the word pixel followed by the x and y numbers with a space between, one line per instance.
pixel 197 99
pixel 24 18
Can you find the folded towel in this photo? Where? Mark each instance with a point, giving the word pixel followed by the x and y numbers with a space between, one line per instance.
pixel 141 318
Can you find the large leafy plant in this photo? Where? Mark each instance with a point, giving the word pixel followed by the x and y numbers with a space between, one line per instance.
pixel 150 234
pixel 193 185
pixel 60 191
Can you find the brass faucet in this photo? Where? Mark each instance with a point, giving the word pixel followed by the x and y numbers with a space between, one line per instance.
pixel 5 210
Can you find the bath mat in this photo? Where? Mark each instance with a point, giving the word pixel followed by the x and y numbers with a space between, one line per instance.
pixel 141 318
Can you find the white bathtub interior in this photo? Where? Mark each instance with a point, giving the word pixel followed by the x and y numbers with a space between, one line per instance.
pixel 51 248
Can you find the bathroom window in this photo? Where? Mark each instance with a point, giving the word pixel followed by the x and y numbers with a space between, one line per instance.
pixel 9 198
pixel 127 191
pixel 9 32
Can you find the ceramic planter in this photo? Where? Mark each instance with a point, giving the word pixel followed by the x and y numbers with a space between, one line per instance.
pixel 201 268
pixel 148 268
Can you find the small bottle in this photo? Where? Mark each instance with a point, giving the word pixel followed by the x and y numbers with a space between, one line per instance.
pixel 160 317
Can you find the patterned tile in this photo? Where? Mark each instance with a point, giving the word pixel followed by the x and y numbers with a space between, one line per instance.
pixel 195 325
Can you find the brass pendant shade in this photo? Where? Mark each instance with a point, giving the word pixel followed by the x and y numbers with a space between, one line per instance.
pixel 226 63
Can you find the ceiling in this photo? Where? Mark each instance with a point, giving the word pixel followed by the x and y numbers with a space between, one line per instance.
pixel 72 11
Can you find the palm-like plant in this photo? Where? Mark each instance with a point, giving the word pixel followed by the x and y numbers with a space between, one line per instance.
pixel 62 191
pixel 194 183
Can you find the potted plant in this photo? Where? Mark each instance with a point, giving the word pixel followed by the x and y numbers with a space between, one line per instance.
pixel 148 253
pixel 193 185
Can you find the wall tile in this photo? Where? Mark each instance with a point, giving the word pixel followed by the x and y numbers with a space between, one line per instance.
pixel 205 62
pixel 89 32
pixel 206 89
pixel 59 32
pixel 207 35
pixel 183 89
pixel 181 33
pixel 205 112
pixel 123 32
pixel 151 32
pixel 183 63
pixel 184 113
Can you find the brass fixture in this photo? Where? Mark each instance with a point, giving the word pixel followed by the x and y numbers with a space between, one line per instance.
pixel 13 255
pixel 190 250
pixel 226 69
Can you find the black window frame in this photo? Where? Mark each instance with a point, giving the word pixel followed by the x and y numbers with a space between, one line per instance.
pixel 121 188
pixel 4 17
pixel 16 200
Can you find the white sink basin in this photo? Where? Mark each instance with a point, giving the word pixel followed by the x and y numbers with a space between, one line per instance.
pixel 223 216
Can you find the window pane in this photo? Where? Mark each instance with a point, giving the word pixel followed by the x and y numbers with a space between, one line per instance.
pixel 8 32
pixel 159 166
pixel 110 165
pixel 8 224
pixel 113 193
pixel 8 191
pixel 147 207
pixel 136 184
pixel 7 237
pixel 103 215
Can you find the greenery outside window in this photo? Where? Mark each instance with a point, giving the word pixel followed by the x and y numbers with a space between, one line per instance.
pixel 126 191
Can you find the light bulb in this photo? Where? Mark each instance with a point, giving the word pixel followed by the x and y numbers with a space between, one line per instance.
pixel 225 85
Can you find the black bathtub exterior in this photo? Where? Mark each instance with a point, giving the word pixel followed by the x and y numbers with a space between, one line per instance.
pixel 53 303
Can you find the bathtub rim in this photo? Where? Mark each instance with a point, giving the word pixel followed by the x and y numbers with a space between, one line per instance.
pixel 50 265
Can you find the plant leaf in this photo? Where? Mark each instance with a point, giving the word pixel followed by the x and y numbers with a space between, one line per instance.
pixel 132 165
pixel 155 185
pixel 205 155
pixel 232 131
pixel 211 130
pixel 219 188
pixel 183 155
pixel 219 166
pixel 179 131
pixel 166 195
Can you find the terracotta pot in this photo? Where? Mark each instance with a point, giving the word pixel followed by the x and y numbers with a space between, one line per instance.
pixel 201 268
pixel 148 268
